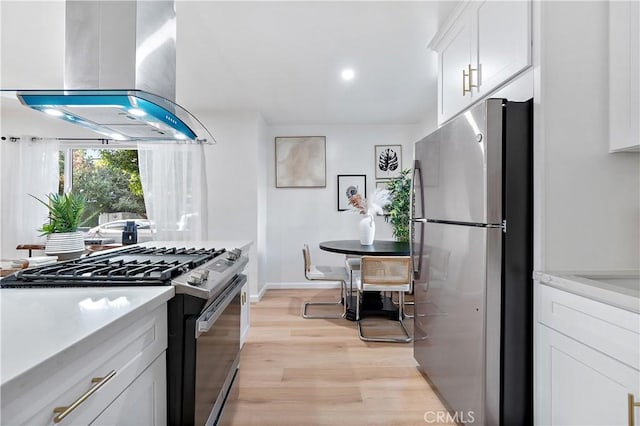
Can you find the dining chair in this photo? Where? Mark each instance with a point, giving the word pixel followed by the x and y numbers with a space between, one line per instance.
pixel 324 273
pixel 352 264
pixel 381 274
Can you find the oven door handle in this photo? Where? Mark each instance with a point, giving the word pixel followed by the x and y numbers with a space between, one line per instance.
pixel 213 312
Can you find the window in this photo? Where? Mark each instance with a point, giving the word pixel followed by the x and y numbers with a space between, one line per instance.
pixel 109 179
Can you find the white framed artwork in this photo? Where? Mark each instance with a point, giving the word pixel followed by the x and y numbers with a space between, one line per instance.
pixel 301 162
pixel 388 161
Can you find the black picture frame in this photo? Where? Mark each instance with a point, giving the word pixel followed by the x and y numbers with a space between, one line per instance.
pixel 388 161
pixel 346 181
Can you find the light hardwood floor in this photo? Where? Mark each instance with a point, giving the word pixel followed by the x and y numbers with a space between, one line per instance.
pixel 296 371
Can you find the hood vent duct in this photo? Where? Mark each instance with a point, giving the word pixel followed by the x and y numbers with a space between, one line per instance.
pixel 120 73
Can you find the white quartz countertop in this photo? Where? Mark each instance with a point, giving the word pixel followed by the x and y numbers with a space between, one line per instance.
pixel 38 325
pixel 616 288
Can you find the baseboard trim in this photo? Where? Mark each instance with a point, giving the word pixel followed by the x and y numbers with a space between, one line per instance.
pixel 305 285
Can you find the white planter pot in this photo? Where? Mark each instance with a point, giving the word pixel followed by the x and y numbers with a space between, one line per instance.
pixel 367 230
pixel 65 245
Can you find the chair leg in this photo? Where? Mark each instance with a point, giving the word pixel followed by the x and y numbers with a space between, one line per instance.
pixel 342 301
pixel 406 315
pixel 406 339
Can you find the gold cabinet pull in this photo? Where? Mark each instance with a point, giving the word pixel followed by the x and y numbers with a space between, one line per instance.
pixel 464 83
pixel 468 73
pixel 63 412
pixel 632 406
pixel 471 70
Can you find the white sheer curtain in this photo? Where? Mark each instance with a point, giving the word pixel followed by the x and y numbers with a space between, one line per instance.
pixel 174 183
pixel 28 166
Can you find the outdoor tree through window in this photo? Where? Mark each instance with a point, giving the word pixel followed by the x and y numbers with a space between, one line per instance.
pixel 110 181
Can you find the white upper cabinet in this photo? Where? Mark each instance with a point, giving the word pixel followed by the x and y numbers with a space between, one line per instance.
pixel 482 45
pixel 624 69
pixel 454 61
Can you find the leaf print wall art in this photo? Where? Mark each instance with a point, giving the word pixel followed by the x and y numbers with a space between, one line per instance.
pixel 388 161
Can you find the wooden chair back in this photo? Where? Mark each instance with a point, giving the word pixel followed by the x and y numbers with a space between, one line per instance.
pixel 385 270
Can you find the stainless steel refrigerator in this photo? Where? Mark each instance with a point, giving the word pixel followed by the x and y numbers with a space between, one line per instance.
pixel 472 258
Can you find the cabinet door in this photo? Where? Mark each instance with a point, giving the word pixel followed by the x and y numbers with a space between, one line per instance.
pixel 455 58
pixel 245 318
pixel 503 42
pixel 143 402
pixel 577 385
pixel 624 68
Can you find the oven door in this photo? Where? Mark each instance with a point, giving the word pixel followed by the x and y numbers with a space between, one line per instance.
pixel 217 352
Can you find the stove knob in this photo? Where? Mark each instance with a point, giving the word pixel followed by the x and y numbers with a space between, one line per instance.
pixel 196 278
pixel 234 254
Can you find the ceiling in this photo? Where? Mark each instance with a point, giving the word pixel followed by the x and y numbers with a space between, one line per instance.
pixel 284 59
pixel 281 59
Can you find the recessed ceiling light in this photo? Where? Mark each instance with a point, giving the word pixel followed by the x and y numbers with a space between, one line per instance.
pixel 348 74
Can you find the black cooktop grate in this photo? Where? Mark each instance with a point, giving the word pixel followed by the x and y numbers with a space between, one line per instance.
pixel 132 266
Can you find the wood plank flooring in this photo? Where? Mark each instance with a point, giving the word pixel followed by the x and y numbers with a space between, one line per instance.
pixel 296 371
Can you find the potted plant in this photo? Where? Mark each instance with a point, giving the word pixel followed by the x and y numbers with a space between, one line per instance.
pixel 398 209
pixel 63 238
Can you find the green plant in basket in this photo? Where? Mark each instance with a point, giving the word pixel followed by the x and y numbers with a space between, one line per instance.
pixel 398 209
pixel 65 211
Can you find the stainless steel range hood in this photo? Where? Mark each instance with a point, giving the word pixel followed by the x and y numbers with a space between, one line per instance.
pixel 120 73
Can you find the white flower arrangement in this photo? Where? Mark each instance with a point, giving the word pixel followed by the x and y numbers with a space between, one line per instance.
pixel 372 205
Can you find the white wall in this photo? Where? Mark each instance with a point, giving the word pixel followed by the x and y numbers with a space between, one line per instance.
pixel 296 216
pixel 234 180
pixel 589 199
pixel 263 172
pixel 32 44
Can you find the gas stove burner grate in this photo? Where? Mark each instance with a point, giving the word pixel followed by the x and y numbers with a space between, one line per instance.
pixel 132 266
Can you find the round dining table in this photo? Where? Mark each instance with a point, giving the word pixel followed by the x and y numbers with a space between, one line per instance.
pixel 373 304
pixel 378 248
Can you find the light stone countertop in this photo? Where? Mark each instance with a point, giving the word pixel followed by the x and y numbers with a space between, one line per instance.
pixel 40 325
pixel 616 288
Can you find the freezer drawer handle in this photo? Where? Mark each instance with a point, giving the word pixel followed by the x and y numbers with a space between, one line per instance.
pixel 419 220
pixel 63 412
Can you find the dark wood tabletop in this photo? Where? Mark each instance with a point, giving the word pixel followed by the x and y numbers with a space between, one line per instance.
pixel 378 248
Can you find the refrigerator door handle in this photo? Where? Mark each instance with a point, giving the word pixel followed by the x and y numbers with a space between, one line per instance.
pixel 416 182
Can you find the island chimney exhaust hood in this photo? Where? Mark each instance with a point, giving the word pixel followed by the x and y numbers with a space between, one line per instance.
pixel 120 73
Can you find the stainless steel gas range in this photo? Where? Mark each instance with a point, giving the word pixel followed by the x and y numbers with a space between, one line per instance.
pixel 203 322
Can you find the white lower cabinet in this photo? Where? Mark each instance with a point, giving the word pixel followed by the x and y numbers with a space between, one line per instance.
pixel 143 402
pixel 116 376
pixel 581 386
pixel 587 361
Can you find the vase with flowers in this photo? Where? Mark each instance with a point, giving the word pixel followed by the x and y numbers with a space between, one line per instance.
pixel 368 207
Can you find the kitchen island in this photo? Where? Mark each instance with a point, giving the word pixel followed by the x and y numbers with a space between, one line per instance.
pixel 55 342
pixel 97 353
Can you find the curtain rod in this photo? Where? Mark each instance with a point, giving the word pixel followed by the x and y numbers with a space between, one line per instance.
pixel 103 141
